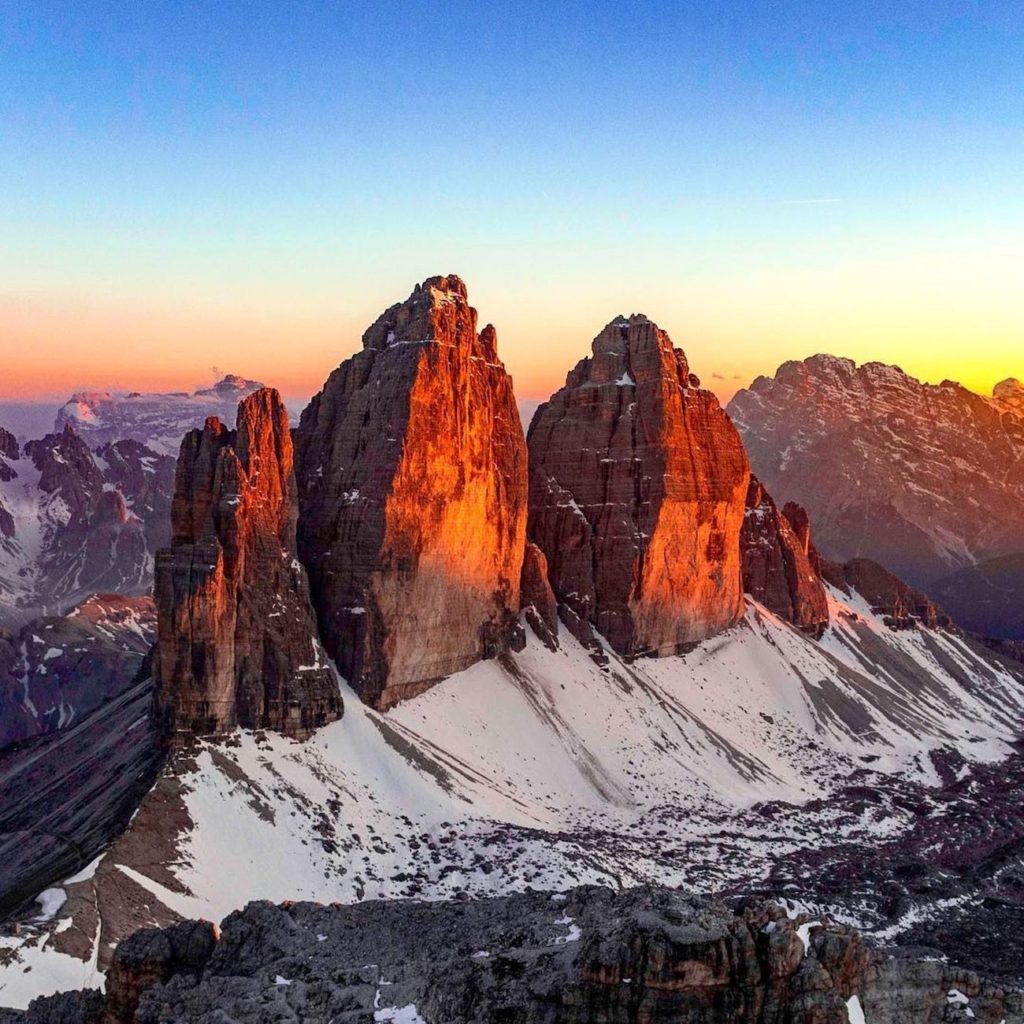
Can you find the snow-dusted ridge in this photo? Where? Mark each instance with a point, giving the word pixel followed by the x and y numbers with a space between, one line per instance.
pixel 545 769
pixel 156 419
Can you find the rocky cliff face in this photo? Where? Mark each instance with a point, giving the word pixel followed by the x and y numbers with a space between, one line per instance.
pixel 924 479
pixel 411 465
pixel 637 490
pixel 777 570
pixel 538 599
pixel 74 522
pixel 236 634
pixel 581 957
pixel 10 451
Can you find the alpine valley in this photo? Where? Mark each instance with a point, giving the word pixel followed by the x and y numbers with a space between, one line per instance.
pixel 651 713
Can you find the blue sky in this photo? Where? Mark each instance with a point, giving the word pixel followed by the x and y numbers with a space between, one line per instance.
pixel 259 175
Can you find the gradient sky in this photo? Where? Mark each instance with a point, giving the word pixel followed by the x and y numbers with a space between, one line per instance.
pixel 247 185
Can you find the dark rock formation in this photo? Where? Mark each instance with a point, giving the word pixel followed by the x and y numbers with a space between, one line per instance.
pixel 150 958
pixel 637 488
pixel 146 478
pixel 590 956
pixel 8 447
pixel 777 569
pixel 58 669
pixel 9 450
pixel 537 598
pixel 901 606
pixel 237 639
pixel 924 479
pixel 411 465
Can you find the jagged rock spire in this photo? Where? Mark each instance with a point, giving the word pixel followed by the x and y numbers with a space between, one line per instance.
pixel 411 466
pixel 237 642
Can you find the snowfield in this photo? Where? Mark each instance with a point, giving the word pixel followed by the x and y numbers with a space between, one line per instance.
pixel 544 769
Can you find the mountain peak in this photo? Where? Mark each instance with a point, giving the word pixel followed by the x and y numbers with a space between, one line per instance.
pixel 412 489
pixel 1009 394
pixel 437 310
pixel 637 489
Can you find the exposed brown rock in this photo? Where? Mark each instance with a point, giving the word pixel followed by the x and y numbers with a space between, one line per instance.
pixel 637 488
pixel 1009 394
pixel 776 568
pixel 411 465
pixel 236 634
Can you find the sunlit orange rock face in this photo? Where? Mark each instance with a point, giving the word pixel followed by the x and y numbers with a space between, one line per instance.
pixel 637 490
pixel 236 641
pixel 412 485
pixel 777 566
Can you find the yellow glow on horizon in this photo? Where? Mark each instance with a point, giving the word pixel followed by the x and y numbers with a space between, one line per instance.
pixel 953 314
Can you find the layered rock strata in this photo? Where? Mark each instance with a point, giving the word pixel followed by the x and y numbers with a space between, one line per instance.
pixel 777 568
pixel 411 466
pixel 237 642
pixel 638 483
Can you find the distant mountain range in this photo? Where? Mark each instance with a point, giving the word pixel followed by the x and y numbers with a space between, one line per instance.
pixel 926 479
pixel 158 420
pixel 84 509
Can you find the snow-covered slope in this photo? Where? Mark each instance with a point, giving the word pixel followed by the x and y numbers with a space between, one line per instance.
pixel 545 769
pixel 158 420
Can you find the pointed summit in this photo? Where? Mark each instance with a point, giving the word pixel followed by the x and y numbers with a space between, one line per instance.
pixel 236 641
pixel 411 466
pixel 637 489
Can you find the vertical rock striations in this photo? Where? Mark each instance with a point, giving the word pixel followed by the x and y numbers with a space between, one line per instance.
pixel 236 634
pixel 411 465
pixel 777 567
pixel 637 488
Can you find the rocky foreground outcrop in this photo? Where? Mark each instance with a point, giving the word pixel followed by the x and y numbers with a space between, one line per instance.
pixel 637 488
pixel 777 569
pixel 583 957
pixel 411 465
pixel 237 639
